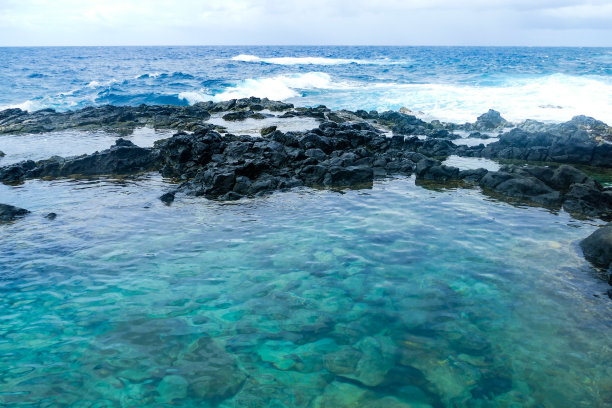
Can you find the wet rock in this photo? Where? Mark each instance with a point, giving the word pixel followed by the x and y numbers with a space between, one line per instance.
pixel 51 216
pixel 238 116
pixel 521 187
pixel 472 175
pixel 167 198
pixel 561 145
pixel 125 119
pixel 10 213
pixel 597 247
pixel 348 176
pixel 111 118
pixel 2 153
pixel 478 135
pixel 14 173
pixel 430 169
pixel 403 124
pixel 121 159
pixel 267 130
pixel 588 200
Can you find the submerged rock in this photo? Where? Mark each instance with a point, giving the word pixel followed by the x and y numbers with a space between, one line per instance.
pixel 597 247
pixel 368 362
pixel 10 213
pixel 211 372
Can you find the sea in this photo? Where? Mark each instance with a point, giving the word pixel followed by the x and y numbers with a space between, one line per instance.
pixel 405 294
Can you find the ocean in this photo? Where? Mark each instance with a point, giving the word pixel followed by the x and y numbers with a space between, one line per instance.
pixel 401 295
pixel 448 83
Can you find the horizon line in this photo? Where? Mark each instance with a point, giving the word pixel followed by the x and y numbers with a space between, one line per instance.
pixel 305 45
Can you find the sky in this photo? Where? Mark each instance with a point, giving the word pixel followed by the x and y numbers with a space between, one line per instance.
pixel 306 22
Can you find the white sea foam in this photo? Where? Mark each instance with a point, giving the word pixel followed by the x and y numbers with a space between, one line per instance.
pixel 98 84
pixel 555 97
pixel 280 87
pixel 195 96
pixel 148 75
pixel 315 60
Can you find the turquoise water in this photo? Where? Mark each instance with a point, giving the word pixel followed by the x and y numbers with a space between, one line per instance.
pixel 403 295
pixel 396 296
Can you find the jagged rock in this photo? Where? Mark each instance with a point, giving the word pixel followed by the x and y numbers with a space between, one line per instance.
pixel 122 158
pixel 267 130
pixel 237 116
pixel 430 169
pixel 490 121
pixel 125 119
pixel 568 145
pixel 478 135
pixel 10 213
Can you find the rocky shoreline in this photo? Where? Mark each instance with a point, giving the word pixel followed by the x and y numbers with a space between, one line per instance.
pixel 347 150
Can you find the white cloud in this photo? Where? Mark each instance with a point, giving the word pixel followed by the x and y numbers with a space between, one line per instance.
pixel 394 22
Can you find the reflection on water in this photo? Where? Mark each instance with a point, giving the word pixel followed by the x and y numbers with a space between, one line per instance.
pixel 469 163
pixel 396 296
pixel 252 127
pixel 69 143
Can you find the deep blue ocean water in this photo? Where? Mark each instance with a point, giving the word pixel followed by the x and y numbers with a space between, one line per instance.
pixel 402 295
pixel 452 83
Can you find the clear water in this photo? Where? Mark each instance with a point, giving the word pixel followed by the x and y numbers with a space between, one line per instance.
pixel 454 298
pixel 489 304
pixel 450 83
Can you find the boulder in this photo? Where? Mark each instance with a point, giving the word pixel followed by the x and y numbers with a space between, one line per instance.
pixel 490 121
pixel 267 130
pixel 597 247
pixel 348 176
pixel 430 169
pixel 10 213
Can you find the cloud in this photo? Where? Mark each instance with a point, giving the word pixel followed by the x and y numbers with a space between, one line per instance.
pixel 394 22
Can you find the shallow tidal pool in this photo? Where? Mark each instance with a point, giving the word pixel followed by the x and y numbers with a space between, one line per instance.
pixel 396 296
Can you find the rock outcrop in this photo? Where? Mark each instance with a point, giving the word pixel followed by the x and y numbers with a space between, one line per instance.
pixel 121 159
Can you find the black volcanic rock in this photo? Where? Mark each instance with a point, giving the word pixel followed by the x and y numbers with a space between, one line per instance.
pixel 121 159
pixel 597 247
pixel 489 121
pixel 10 213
